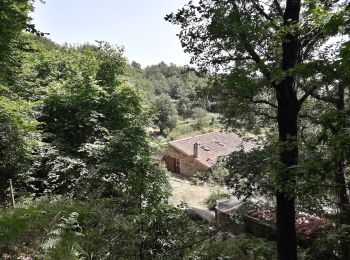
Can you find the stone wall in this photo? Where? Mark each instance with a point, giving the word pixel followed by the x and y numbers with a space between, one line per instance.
pixel 188 164
pixel 254 226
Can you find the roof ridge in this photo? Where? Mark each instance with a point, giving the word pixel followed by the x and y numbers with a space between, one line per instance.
pixel 191 137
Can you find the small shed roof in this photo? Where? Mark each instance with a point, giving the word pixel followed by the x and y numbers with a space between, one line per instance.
pixel 305 224
pixel 211 146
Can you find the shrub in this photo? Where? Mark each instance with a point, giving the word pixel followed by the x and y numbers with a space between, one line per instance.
pixel 330 244
pixel 200 115
pixel 214 196
pixel 243 247
pixel 218 174
pixel 200 178
pixel 62 228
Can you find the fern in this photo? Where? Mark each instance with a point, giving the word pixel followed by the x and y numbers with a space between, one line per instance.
pixel 62 237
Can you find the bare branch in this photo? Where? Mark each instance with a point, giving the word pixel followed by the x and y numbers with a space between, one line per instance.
pixel 230 56
pixel 256 58
pixel 264 102
pixel 309 42
pixel 312 92
pixel 307 94
pixel 315 120
pixel 310 118
pixel 261 11
pixel 324 98
pixel 259 101
pixel 260 113
pixel 249 48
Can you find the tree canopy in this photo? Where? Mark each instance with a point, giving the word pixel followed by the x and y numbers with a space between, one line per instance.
pixel 261 54
pixel 79 135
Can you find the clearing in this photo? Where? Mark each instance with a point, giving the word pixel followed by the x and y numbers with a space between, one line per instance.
pixel 192 195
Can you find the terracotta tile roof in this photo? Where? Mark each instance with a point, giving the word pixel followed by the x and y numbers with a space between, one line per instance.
pixel 211 146
pixel 305 224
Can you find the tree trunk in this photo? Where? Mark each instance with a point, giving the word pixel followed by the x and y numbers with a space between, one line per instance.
pixel 288 110
pixel 4 180
pixel 342 190
pixel 161 130
pixel 340 180
pixel 285 209
pixel 344 206
pixel 343 196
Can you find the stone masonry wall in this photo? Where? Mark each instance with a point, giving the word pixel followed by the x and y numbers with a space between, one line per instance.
pixel 188 164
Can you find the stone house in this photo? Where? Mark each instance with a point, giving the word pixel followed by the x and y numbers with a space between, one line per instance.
pixel 199 153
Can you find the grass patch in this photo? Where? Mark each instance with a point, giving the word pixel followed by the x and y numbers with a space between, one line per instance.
pixel 189 127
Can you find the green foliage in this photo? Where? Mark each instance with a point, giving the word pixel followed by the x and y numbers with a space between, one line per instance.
pixel 199 178
pixel 62 174
pixel 252 174
pixel 71 125
pixel 181 85
pixel 60 239
pixel 93 123
pixel 219 174
pixel 61 228
pixel 182 129
pixel 187 127
pixel 175 81
pixel 329 244
pixel 166 113
pixel 243 247
pixel 200 115
pixel 241 44
pixel 14 18
pixel 214 196
pixel 95 146
pixel 184 107
pixel 18 132
pixel 18 136
pixel 112 64
pixel 10 230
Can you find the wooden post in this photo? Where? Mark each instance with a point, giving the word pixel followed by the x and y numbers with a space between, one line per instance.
pixel 12 195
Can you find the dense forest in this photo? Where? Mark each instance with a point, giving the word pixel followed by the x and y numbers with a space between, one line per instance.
pixel 80 125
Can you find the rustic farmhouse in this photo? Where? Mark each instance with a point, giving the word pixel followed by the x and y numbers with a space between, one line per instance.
pixel 199 153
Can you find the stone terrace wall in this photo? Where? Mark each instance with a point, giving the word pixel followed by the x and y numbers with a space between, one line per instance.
pixel 255 227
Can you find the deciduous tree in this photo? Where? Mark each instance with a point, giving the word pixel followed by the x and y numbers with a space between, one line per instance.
pixel 166 113
pixel 255 47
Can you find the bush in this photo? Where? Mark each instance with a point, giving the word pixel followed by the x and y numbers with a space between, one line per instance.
pixel 180 130
pixel 218 174
pixel 42 228
pixel 330 244
pixel 62 228
pixel 200 115
pixel 167 114
pixel 243 247
pixel 200 177
pixel 214 196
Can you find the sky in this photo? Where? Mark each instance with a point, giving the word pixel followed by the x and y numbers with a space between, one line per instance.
pixel 138 25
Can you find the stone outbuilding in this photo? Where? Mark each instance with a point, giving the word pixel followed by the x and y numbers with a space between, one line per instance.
pixel 199 153
pixel 260 220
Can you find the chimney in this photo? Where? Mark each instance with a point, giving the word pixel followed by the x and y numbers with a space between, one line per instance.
pixel 195 150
